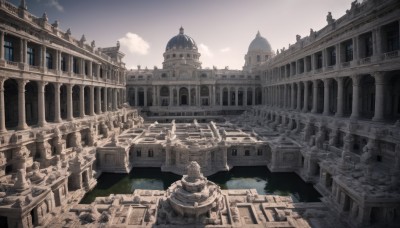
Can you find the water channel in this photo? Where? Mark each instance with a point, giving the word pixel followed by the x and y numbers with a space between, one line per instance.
pixel 260 178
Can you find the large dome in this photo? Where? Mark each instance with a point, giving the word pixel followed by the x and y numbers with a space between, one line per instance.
pixel 181 41
pixel 260 44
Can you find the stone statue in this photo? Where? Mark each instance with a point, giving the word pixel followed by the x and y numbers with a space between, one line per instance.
pixel 333 138
pixel 298 38
pixel 319 139
pixel 37 176
pixel 68 33
pixel 55 24
pixel 348 142
pixel 20 183
pixel 366 158
pixel 44 17
pixel 93 44
pixel 329 18
pixel 83 39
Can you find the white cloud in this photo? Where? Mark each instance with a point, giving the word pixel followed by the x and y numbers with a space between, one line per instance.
pixel 225 49
pixel 135 44
pixel 205 51
pixel 53 3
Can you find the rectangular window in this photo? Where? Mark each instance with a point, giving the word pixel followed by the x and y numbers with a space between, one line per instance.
pixel 234 152
pixel 8 51
pixel 348 51
pixel 63 64
pixel 138 153
pixel 392 37
pixel 31 56
pixel 259 152
pixel 318 57
pixel 49 60
pixel 75 65
pixel 150 153
pixel 247 153
pixel 332 56
pixel 368 46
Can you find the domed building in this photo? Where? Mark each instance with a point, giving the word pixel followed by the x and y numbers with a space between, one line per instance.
pixel 259 51
pixel 181 50
pixel 182 90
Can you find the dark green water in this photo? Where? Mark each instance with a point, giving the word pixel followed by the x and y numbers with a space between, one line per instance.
pixel 260 178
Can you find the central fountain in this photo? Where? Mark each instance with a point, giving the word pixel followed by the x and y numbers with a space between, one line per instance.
pixel 194 195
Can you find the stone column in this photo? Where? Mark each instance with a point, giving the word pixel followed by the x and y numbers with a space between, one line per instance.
pixel 298 96
pixel 355 113
pixel 145 96
pixel 136 96
pixel 23 51
pixel 213 95
pixel 338 53
pixel 57 61
pixel 305 107
pixel 379 96
pixel 82 101
pixel 90 69
pixel 237 96
pixel 293 97
pixel 326 97
pixel 57 105
pixel 284 96
pixel 71 64
pixel 115 100
pixel 221 96
pixel 21 105
pixel 315 100
pixel 377 41
pixel 339 112
pixel 190 95
pixel 105 99
pixel 42 62
pixel 98 100
pixel 69 102
pixel 41 107
pixel 2 107
pixel 198 95
pixel 1 45
pixel 91 100
pixel 170 96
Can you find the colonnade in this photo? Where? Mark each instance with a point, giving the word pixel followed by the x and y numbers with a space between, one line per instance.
pixel 90 100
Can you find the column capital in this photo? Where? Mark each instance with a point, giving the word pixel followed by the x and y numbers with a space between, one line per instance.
pixel 339 79
pixel 379 77
pixel 22 82
pixel 356 79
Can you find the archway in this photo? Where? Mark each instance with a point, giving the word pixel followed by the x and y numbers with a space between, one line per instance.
pixel 225 97
pixel 63 101
pixel 75 100
pixel 183 96
pixel 49 94
pixel 204 95
pixel 31 103
pixel 140 96
pixel 11 103
pixel 240 96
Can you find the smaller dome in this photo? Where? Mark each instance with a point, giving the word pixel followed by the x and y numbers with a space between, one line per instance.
pixel 260 44
pixel 181 41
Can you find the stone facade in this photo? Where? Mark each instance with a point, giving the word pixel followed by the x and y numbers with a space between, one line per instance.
pixel 56 95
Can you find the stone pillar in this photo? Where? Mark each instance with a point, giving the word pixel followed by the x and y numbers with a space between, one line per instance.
pixel 154 96
pixel 315 100
pixel 339 112
pixel 285 96
pixel 190 95
pixel 2 108
pixel 136 96
pixel 171 96
pixel 69 102
pixel 377 41
pixel 221 96
pixel 41 106
pixel 293 97
pixel 91 100
pixel 1 45
pixel 237 96
pixel 145 96
pixel 213 95
pixel 115 100
pixel 326 97
pixel 379 96
pixel 305 107
pixel 298 97
pixel 42 62
pixel 82 101
pixel 355 113
pixel 105 99
pixel 90 69
pixel 71 64
pixel 98 100
pixel 23 50
pixel 57 62
pixel 57 105
pixel 21 105
pixel 338 53
pixel 198 95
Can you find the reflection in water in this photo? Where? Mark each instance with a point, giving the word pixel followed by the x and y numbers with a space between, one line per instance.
pixel 259 178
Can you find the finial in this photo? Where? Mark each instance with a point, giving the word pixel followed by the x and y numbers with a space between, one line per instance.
pixel 181 30
pixel 44 17
pixel 258 33
pixel 83 38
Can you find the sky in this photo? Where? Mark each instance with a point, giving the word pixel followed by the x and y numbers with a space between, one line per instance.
pixel 222 29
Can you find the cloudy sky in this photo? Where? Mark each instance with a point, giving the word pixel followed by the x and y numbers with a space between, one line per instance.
pixel 222 29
